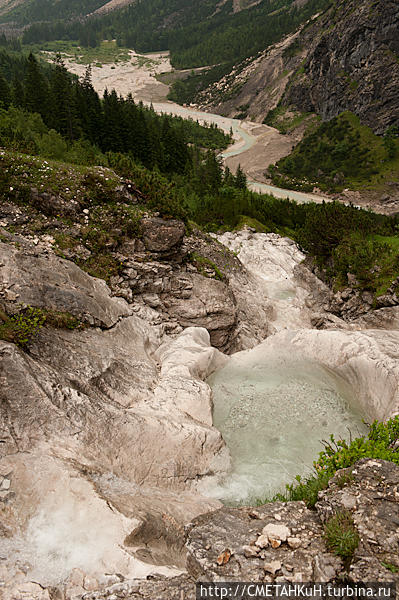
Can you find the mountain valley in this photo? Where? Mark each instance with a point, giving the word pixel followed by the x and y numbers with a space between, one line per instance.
pixel 199 296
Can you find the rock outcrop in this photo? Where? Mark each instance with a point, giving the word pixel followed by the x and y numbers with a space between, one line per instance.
pixel 106 429
pixel 347 59
pixel 285 542
pixel 162 236
pixel 44 280
pixel 103 430
pixel 352 65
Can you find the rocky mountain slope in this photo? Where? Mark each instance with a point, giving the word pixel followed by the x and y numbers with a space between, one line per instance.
pixel 346 59
pixel 106 420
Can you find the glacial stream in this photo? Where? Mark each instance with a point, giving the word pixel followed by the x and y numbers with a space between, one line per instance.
pixel 273 412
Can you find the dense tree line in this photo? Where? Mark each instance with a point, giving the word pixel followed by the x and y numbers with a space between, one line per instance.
pixel 47 10
pixel 73 109
pixel 338 153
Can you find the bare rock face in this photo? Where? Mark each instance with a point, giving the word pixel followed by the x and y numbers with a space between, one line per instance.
pixel 205 303
pixel 162 236
pixel 159 588
pixel 282 293
pixel 352 65
pixel 103 432
pixel 47 281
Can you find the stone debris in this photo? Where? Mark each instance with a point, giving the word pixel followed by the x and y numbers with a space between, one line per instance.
pixel 262 541
pixel 250 551
pixel 272 567
pixel 276 532
pixel 294 543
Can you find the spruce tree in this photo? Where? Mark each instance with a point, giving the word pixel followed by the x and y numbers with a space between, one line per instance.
pixel 17 94
pixel 5 95
pixel 63 115
pixel 240 179
pixel 36 89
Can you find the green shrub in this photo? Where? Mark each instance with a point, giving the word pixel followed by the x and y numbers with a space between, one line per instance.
pixel 22 327
pixel 341 536
pixel 380 443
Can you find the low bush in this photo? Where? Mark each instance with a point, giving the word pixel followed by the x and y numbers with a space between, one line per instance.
pixel 381 442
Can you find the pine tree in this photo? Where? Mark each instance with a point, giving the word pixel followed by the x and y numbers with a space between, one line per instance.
pixel 240 179
pixel 36 89
pixel 17 94
pixel 5 95
pixel 89 109
pixel 63 116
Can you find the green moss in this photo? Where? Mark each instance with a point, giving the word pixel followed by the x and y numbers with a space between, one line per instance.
pixel 204 264
pixel 103 266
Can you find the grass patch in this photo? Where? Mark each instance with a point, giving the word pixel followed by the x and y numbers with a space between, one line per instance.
pixel 106 52
pixel 343 479
pixel 205 266
pixel 341 536
pixel 390 567
pixel 387 267
pixel 285 119
pixel 70 181
pixel 379 443
pixel 245 222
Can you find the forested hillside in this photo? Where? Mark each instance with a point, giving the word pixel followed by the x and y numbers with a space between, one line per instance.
pixel 74 110
pixel 338 154
pixel 196 33
pixel 47 10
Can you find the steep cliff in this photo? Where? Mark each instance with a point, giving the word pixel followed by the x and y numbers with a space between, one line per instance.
pixel 345 59
pixel 353 64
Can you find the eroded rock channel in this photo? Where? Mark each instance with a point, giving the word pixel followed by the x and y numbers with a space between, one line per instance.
pixel 108 446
